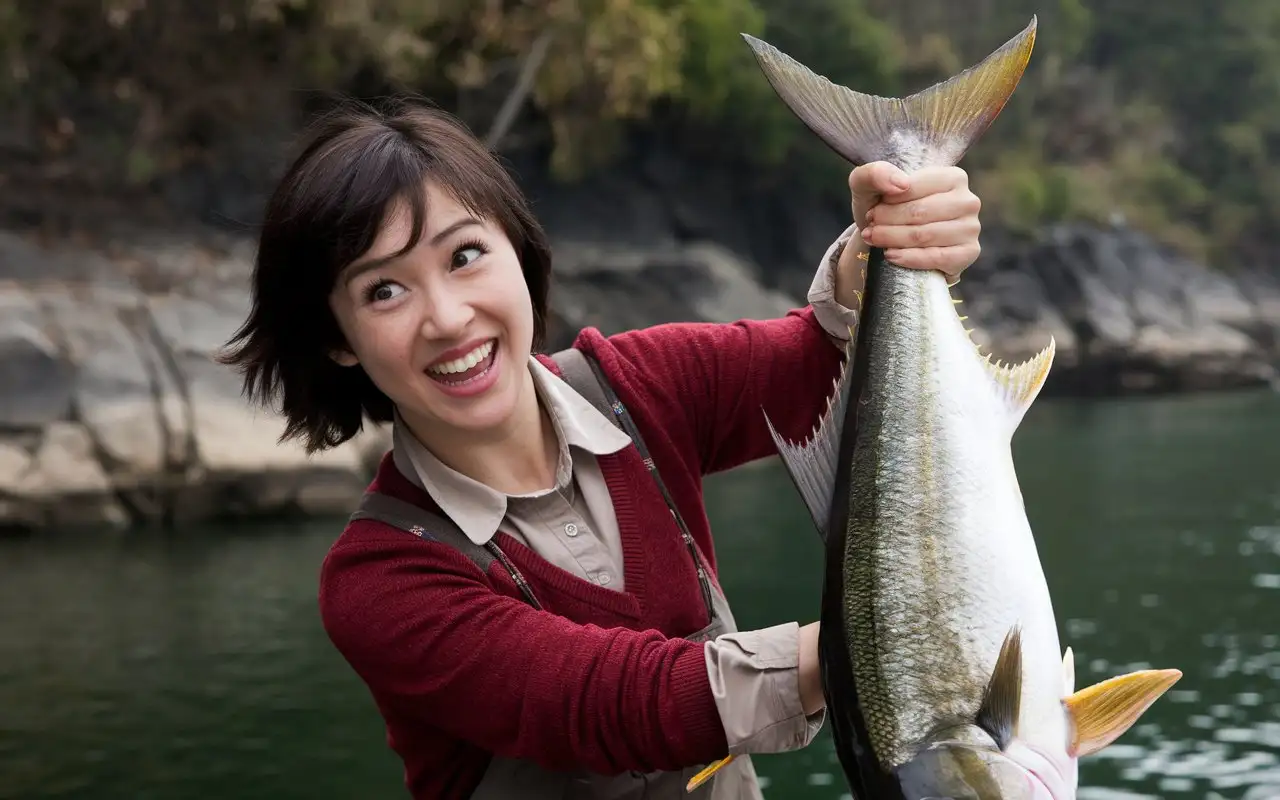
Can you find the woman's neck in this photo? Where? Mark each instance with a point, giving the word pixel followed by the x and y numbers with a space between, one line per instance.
pixel 518 458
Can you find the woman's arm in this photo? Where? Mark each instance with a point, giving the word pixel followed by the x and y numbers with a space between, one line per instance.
pixel 432 639
pixel 720 379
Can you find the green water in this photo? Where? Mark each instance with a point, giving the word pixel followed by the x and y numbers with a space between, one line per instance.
pixel 134 668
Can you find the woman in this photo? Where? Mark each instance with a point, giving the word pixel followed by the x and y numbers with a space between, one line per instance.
pixel 529 589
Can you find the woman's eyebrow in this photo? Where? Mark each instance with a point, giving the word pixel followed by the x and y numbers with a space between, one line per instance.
pixel 361 267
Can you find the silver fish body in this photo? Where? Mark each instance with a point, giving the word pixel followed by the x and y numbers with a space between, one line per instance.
pixel 938 558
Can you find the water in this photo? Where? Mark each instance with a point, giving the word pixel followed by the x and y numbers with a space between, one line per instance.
pixel 142 669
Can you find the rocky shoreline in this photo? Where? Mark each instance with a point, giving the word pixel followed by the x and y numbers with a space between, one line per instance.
pixel 115 415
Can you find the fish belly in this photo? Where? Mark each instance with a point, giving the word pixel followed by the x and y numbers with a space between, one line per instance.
pixel 939 559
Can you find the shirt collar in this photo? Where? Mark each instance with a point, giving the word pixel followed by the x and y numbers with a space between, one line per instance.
pixel 478 509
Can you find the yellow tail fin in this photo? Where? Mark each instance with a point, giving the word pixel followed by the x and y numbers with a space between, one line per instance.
pixel 934 126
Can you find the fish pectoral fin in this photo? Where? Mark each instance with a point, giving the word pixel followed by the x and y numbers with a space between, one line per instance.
pixel 1100 713
pixel 998 714
pixel 943 120
pixel 812 464
pixel 1018 384
pixel 707 773
pixel 1068 672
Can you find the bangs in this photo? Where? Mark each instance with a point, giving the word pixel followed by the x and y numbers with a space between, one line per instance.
pixel 374 170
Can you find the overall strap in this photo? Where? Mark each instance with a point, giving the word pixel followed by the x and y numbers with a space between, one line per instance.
pixel 580 372
pixel 584 374
pixel 431 526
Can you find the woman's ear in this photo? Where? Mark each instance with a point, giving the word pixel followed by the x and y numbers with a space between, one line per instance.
pixel 344 358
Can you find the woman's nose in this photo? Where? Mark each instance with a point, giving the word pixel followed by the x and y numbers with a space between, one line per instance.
pixel 448 314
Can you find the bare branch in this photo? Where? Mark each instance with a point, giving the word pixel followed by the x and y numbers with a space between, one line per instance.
pixel 520 92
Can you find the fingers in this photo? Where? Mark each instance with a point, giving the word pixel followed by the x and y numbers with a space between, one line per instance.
pixel 922 211
pixel 926 220
pixel 930 181
pixel 870 182
pixel 946 233
pixel 951 261
pixel 882 184
pixel 877 178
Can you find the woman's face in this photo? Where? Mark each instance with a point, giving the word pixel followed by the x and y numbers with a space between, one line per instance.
pixel 445 330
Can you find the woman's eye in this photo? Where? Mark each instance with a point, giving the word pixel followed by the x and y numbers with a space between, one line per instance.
pixel 466 256
pixel 382 291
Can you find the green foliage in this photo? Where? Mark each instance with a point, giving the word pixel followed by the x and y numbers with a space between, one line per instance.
pixel 1164 114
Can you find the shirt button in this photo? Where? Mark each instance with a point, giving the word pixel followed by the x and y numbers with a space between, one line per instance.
pixel 604 579
pixel 571 529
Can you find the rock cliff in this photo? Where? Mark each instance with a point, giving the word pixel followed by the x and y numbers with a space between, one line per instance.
pixel 114 414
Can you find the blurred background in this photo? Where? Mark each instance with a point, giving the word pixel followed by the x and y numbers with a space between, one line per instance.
pixel 159 636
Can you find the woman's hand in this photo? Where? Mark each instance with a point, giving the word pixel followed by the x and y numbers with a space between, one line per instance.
pixel 926 220
pixel 811 698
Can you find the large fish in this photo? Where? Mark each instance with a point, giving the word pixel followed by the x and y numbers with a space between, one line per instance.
pixel 941 665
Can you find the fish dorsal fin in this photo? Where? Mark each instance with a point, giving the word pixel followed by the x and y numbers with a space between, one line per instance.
pixel 934 126
pixel 998 714
pixel 812 464
pixel 1100 713
pixel 1017 385
pixel 1068 672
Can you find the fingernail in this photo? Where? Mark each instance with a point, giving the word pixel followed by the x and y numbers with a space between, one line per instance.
pixel 867 234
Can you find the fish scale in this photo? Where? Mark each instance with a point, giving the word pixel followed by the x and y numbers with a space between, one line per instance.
pixel 941 667
pixel 905 525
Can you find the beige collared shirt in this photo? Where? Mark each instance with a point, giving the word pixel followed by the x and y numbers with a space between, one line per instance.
pixel 572 525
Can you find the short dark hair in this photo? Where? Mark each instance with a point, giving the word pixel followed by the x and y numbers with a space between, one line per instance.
pixel 353 164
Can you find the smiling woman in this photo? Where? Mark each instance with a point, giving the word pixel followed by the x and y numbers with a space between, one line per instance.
pixel 350 214
pixel 529 589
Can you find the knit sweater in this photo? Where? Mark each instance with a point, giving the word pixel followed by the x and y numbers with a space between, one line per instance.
pixel 461 667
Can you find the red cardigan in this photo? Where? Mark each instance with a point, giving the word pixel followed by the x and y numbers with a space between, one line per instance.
pixel 461 667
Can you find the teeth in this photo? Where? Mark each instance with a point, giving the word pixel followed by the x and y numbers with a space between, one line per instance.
pixel 464 363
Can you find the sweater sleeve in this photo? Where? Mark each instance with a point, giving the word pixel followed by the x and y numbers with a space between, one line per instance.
pixel 429 637
pixel 720 379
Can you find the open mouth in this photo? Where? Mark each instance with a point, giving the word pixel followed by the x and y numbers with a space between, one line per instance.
pixel 467 368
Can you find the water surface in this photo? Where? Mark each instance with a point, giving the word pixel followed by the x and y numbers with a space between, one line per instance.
pixel 195 667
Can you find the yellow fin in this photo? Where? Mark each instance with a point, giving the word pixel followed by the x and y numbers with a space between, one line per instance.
pixel 1068 672
pixel 1019 384
pixel 705 775
pixel 1100 713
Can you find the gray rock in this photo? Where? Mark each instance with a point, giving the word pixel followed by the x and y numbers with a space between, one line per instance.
pixel 115 412
pixel 37 383
pixel 60 483
pixel 1129 315
pixel 114 395
pixel 617 289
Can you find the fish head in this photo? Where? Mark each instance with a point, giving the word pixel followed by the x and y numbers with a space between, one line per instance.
pixel 968 768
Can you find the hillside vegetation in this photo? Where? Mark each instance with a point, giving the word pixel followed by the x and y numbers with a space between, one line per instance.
pixel 1164 115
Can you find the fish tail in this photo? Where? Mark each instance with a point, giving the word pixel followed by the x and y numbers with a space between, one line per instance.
pixel 933 127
